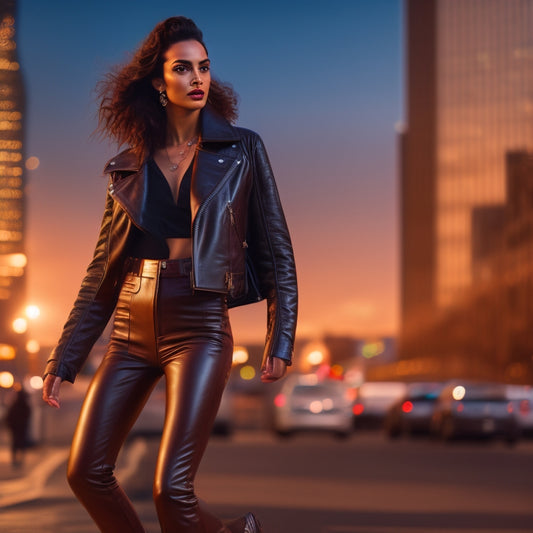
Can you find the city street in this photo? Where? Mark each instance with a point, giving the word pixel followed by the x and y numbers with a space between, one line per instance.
pixel 310 484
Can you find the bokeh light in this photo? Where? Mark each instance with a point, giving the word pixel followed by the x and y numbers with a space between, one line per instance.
pixel 458 392
pixel 240 355
pixel 247 372
pixel 20 325
pixel 36 382
pixel 7 352
pixel 32 163
pixel 6 380
pixel 32 311
pixel 33 346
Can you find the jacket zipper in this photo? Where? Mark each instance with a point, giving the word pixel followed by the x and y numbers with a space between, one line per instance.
pixel 235 164
pixel 244 244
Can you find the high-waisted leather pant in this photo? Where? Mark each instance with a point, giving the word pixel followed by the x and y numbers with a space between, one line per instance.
pixel 160 327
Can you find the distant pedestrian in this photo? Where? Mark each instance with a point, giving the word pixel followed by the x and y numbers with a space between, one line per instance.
pixel 18 423
pixel 193 225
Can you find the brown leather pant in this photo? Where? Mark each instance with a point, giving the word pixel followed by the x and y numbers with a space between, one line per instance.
pixel 160 328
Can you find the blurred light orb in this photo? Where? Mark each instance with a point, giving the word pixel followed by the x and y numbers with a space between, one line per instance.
pixel 6 380
pixel 36 382
pixel 316 357
pixel 247 372
pixel 458 392
pixel 33 346
pixel 20 325
pixel 316 407
pixel 17 260
pixel 32 163
pixel 7 352
pixel 327 404
pixel 280 400
pixel 372 349
pixel 240 355
pixel 336 371
pixel 32 312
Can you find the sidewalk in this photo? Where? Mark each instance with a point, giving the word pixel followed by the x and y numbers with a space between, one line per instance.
pixel 27 482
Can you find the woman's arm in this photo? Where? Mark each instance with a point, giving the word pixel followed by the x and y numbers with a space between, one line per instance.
pixel 96 298
pixel 273 258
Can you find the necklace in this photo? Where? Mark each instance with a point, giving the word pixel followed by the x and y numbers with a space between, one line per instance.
pixel 173 166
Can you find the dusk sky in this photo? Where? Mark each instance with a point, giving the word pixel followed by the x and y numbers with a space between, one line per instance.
pixel 320 81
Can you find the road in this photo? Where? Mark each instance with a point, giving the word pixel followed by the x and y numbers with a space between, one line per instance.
pixel 310 484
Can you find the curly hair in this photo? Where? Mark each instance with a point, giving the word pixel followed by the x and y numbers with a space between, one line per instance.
pixel 130 112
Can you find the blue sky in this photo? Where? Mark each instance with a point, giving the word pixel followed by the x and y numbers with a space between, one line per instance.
pixel 320 81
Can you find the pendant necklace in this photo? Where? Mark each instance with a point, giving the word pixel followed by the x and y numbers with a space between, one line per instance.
pixel 173 166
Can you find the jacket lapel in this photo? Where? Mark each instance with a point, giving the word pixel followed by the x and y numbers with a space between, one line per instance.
pixel 215 156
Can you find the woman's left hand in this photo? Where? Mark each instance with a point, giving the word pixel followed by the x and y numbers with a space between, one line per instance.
pixel 273 370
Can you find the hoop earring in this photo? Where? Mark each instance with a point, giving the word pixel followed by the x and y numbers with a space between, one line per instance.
pixel 163 98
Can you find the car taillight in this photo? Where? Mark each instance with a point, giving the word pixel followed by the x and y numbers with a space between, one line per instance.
pixel 525 407
pixel 459 407
pixel 407 407
pixel 358 409
pixel 510 407
pixel 280 400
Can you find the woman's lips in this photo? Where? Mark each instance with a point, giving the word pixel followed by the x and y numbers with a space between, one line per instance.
pixel 196 95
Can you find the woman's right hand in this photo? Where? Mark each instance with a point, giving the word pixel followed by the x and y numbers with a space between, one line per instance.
pixel 51 388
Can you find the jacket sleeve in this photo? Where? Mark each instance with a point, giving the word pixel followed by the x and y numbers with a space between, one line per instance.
pixel 272 255
pixel 94 305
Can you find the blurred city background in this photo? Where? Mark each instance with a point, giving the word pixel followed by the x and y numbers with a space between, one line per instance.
pixel 401 135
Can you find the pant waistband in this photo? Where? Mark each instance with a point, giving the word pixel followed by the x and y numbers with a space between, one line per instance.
pixel 165 268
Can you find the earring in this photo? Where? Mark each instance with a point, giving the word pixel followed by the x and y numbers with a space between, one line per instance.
pixel 163 98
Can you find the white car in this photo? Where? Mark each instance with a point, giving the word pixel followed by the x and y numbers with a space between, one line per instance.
pixel 307 403
pixel 522 398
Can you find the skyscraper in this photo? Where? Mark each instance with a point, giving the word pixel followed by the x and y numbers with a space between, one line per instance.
pixel 469 103
pixel 12 253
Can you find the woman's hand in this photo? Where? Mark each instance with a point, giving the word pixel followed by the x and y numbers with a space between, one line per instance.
pixel 273 370
pixel 51 387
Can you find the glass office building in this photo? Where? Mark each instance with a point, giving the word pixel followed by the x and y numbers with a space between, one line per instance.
pixel 469 103
pixel 12 252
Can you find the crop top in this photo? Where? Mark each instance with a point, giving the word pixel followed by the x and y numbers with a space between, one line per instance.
pixel 165 219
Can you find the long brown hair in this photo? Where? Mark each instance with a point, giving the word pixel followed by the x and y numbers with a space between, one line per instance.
pixel 130 111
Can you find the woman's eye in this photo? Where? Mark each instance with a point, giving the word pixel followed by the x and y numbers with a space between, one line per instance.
pixel 180 68
pixel 205 68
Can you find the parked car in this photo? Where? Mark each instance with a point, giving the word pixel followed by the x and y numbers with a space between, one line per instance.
pixel 307 403
pixel 412 413
pixel 475 410
pixel 372 401
pixel 522 398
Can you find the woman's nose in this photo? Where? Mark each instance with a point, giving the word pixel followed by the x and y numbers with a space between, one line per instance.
pixel 196 80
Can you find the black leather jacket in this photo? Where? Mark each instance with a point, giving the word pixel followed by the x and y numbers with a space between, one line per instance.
pixel 240 241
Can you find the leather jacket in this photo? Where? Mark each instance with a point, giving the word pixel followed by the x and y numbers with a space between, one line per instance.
pixel 240 242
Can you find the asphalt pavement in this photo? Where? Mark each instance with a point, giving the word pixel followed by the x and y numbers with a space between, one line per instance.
pixel 305 485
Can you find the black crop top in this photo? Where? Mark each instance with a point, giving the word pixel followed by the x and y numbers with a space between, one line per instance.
pixel 165 219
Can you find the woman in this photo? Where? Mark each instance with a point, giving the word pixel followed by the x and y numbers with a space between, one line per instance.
pixel 192 225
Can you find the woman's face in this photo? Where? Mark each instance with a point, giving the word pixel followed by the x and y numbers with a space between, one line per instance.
pixel 186 75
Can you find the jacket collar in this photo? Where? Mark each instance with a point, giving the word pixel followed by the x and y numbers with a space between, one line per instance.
pixel 214 127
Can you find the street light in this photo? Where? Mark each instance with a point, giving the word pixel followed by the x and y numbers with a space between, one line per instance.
pixel 20 325
pixel 6 380
pixel 33 312
pixel 240 355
